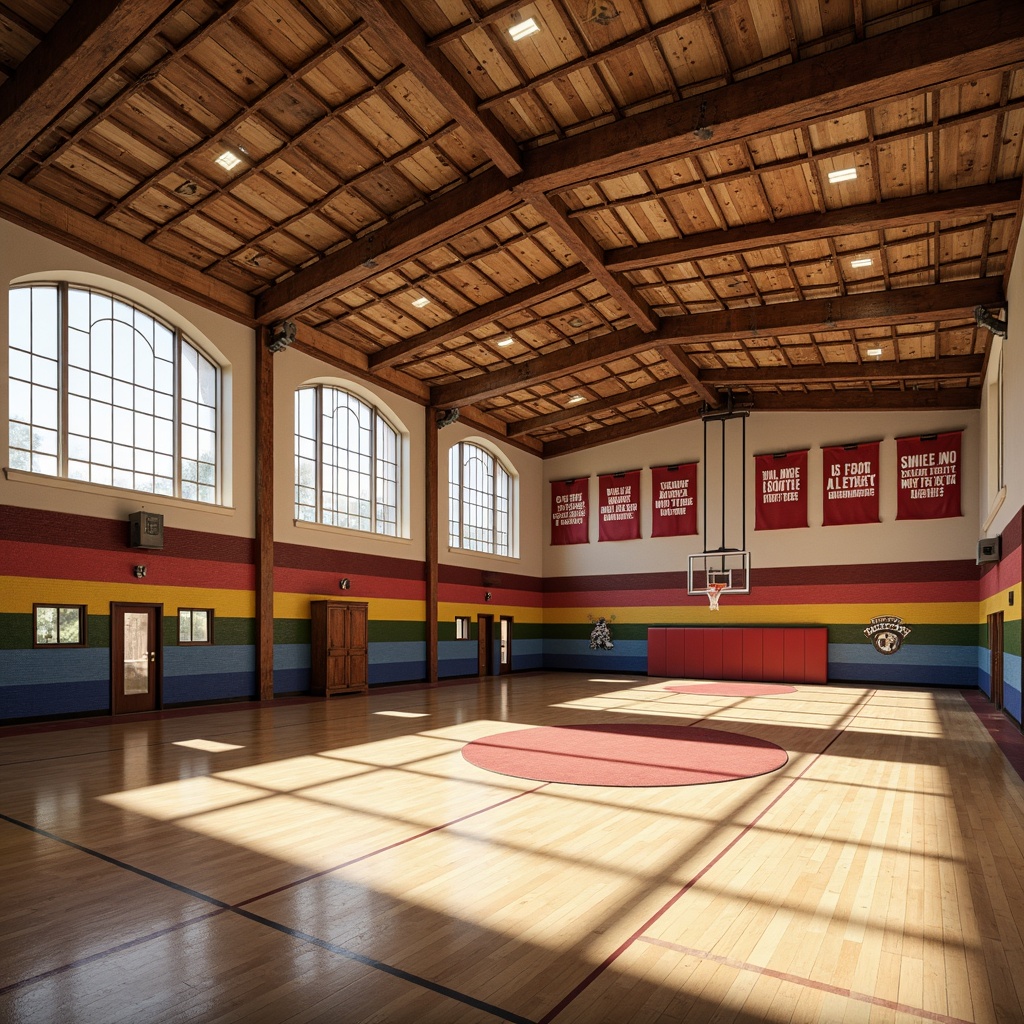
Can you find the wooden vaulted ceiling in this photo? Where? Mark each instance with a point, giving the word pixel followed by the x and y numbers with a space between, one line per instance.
pixel 636 196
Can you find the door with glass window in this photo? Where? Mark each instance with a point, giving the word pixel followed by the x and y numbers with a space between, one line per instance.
pixel 135 662
pixel 505 645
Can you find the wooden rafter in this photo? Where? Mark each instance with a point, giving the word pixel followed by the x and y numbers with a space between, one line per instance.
pixel 88 40
pixel 690 372
pixel 909 369
pixel 927 304
pixel 402 35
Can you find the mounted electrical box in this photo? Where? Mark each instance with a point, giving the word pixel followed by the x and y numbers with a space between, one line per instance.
pixel 989 550
pixel 146 530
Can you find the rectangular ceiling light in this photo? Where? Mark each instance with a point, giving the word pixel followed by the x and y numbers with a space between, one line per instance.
pixel 421 302
pixel 846 174
pixel 522 29
pixel 505 342
pixel 573 399
pixel 228 160
pixel 874 351
pixel 864 262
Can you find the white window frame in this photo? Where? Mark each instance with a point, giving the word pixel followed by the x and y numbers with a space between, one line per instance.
pixel 309 446
pixel 482 537
pixel 88 458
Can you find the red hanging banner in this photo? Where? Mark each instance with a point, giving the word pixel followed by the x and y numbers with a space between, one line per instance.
pixel 928 473
pixel 618 516
pixel 569 511
pixel 674 500
pixel 780 491
pixel 850 475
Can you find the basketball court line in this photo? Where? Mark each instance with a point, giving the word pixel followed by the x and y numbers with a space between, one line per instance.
pixel 580 988
pixel 796 979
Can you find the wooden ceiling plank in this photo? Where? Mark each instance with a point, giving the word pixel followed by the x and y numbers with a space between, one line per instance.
pixel 979 38
pixel 690 372
pixel 907 369
pixel 582 411
pixel 485 197
pixel 84 45
pixel 617 431
pixel 962 203
pixel 547 288
pixel 588 251
pixel 929 303
pixel 401 35
pixel 58 221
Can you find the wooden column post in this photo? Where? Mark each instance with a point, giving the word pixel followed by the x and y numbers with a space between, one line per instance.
pixel 430 504
pixel 264 514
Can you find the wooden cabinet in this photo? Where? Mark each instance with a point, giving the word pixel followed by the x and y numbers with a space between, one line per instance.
pixel 338 631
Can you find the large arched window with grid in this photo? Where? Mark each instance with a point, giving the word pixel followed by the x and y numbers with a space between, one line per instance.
pixel 347 462
pixel 104 391
pixel 480 500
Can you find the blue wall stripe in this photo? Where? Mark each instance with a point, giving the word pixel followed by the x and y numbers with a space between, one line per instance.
pixel 61 665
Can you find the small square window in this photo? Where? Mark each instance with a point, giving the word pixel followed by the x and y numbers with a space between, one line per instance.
pixel 59 625
pixel 462 627
pixel 195 625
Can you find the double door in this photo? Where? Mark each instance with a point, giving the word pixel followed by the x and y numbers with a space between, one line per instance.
pixel 338 638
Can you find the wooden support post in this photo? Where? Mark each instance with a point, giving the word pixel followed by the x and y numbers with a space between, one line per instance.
pixel 264 514
pixel 431 491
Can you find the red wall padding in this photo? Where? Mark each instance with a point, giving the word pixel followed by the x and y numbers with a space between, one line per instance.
pixel 784 654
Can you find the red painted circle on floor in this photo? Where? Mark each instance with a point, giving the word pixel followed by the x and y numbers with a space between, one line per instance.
pixel 733 689
pixel 625 755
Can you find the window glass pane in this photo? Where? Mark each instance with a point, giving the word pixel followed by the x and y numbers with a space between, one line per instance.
pixel 46 625
pixel 68 626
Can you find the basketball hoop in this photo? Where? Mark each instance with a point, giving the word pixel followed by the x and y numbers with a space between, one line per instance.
pixel 714 593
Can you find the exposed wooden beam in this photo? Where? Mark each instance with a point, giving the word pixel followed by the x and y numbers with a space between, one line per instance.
pixel 618 431
pixel 584 410
pixel 588 251
pixel 926 304
pixel 401 35
pixel 84 45
pixel 976 39
pixel 907 369
pixel 59 222
pixel 460 209
pixel 483 315
pixel 861 399
pixel 264 502
pixel 962 203
pixel 690 372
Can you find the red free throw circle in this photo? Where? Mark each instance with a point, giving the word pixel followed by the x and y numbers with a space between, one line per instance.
pixel 625 755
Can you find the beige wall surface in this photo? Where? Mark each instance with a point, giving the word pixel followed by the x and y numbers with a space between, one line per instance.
pixel 25 256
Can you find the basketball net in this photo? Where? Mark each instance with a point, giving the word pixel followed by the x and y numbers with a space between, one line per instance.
pixel 714 593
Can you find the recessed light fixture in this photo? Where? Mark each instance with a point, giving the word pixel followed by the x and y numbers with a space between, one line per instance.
pixel 522 29
pixel 874 351
pixel 576 321
pixel 505 342
pixel 421 302
pixel 573 399
pixel 228 160
pixel 846 174
pixel 863 262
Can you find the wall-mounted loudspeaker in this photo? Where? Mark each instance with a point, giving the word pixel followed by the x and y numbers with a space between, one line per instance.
pixel 988 550
pixel 146 529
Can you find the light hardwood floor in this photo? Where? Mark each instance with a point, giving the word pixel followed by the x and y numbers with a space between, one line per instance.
pixel 340 862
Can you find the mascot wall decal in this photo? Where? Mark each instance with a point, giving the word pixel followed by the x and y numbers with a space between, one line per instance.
pixel 601 634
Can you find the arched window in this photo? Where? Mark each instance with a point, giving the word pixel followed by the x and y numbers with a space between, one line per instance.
pixel 347 462
pixel 102 390
pixel 479 501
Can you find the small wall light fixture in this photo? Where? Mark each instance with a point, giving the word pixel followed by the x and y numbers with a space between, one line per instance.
pixel 344 583
pixel 487 596
pixel 140 571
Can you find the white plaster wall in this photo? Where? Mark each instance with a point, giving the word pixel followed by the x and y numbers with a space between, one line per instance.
pixel 292 369
pixel 1012 348
pixel 530 471
pixel 24 254
pixel 887 540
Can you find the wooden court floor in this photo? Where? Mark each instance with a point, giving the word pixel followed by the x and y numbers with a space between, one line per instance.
pixel 340 862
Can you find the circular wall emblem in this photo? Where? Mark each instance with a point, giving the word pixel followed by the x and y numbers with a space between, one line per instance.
pixel 887 633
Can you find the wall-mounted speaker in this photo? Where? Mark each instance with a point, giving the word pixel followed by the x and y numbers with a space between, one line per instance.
pixel 146 530
pixel 989 550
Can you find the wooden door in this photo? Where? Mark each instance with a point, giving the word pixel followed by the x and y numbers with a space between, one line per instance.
pixel 995 657
pixel 135 657
pixel 485 645
pixel 338 647
pixel 505 644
